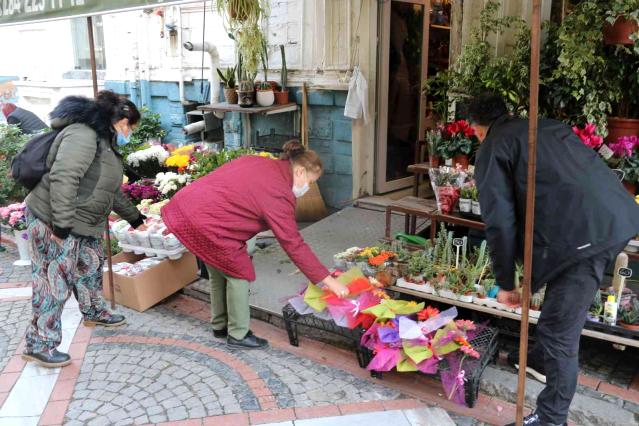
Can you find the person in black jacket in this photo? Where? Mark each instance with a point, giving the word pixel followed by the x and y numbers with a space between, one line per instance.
pixel 28 122
pixel 583 218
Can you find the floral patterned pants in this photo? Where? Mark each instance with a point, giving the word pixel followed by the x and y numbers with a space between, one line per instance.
pixel 75 266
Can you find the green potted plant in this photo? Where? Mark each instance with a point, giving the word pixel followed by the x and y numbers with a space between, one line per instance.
pixel 466 198
pixel 630 315
pixel 265 96
pixel 477 70
pixel 281 96
pixel 475 206
pixel 622 22
pixel 238 12
pixel 436 146
pixel 228 78
pixel 596 308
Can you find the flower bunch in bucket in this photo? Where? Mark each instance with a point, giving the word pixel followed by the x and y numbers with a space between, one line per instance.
pixel 14 217
pixel 447 183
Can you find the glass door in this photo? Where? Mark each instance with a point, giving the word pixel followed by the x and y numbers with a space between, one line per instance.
pixel 402 107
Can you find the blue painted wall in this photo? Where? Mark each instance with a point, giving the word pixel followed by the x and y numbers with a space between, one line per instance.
pixel 329 131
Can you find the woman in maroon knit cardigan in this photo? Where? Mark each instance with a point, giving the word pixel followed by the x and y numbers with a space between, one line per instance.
pixel 215 216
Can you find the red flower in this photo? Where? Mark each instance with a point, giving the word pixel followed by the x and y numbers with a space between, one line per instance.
pixel 427 313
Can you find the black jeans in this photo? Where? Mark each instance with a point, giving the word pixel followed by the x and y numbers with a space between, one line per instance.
pixel 563 315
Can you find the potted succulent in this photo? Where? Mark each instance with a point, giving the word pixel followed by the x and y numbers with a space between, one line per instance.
pixel 475 206
pixel 281 96
pixel 451 283
pixel 415 269
pixel 630 315
pixel 436 146
pixel 622 22
pixel 246 93
pixel 594 313
pixel 466 198
pixel 265 95
pixel 228 78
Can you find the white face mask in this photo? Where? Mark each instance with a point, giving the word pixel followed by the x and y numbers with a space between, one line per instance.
pixel 299 192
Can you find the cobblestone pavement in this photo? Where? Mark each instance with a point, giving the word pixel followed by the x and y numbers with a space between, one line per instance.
pixel 10 273
pixel 159 383
pixel 14 318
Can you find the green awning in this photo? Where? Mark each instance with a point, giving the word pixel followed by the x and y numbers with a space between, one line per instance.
pixel 24 11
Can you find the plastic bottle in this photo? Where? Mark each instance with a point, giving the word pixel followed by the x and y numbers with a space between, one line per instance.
pixel 610 310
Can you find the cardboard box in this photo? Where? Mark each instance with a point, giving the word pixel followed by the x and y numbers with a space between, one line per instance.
pixel 150 287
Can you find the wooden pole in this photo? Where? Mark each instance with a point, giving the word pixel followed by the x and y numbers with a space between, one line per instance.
pixel 94 78
pixel 533 114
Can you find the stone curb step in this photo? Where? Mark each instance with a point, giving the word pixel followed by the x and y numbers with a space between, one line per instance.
pixel 585 410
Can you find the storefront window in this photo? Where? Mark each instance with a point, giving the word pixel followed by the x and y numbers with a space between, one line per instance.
pixel 80 35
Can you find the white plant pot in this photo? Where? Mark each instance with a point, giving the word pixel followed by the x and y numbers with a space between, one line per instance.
pixel 481 301
pixel 448 294
pixel 423 288
pixel 476 208
pixel 265 98
pixel 22 242
pixel 465 205
pixel 468 298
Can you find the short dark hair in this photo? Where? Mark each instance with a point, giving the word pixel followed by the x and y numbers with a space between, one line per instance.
pixel 486 108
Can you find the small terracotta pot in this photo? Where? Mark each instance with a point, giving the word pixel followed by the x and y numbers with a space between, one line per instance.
pixel 630 187
pixel 281 98
pixel 434 160
pixel 632 327
pixel 620 31
pixel 462 160
pixel 620 126
pixel 230 95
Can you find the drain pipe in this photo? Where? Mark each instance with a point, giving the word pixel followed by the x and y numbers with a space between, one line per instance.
pixel 181 53
pixel 214 79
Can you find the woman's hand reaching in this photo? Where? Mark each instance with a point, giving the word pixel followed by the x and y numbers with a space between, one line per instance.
pixel 335 286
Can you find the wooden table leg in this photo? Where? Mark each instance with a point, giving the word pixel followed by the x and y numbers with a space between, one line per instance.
pixel 406 223
pixel 433 228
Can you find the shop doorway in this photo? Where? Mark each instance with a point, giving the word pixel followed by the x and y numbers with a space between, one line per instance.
pixel 414 42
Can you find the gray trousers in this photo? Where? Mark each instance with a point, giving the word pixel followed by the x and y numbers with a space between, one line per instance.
pixel 563 315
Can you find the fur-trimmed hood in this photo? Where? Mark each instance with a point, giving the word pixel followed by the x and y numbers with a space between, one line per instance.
pixel 79 109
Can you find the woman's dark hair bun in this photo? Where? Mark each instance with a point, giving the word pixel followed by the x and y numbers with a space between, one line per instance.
pixel 117 107
pixel 292 149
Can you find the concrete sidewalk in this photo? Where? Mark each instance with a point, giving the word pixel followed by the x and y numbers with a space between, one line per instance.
pixel 432 416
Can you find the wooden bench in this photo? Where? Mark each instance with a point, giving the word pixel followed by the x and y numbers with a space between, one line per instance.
pixel 411 207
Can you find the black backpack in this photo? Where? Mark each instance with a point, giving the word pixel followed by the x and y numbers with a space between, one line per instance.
pixel 30 164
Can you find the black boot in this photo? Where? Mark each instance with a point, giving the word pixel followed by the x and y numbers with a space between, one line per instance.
pixel 49 359
pixel 221 334
pixel 250 341
pixel 113 320
pixel 534 420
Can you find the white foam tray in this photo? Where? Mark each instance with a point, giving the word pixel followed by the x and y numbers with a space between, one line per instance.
pixel 152 252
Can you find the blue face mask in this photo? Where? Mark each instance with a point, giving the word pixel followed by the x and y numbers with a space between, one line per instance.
pixel 123 140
